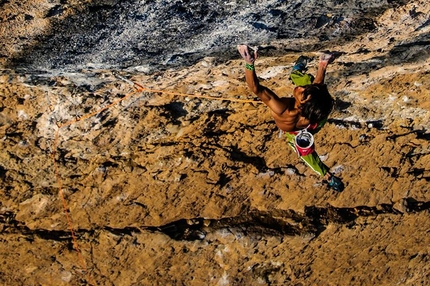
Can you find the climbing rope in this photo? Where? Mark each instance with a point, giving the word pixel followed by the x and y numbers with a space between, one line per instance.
pixel 195 95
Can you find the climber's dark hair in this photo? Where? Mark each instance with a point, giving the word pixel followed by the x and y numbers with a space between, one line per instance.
pixel 319 106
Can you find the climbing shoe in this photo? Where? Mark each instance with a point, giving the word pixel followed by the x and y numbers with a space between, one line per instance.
pixel 335 183
pixel 301 63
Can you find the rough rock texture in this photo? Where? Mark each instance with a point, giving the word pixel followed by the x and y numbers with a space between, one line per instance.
pixel 182 183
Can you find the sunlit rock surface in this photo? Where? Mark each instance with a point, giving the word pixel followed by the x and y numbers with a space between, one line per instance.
pixel 133 153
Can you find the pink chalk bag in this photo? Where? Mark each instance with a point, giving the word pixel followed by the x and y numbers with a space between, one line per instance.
pixel 304 142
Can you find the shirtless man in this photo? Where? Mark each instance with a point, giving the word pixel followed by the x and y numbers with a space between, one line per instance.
pixel 307 109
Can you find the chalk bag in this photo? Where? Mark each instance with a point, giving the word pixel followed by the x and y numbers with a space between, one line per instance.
pixel 304 143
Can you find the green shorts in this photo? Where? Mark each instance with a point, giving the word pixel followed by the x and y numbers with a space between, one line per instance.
pixel 312 160
pixel 301 79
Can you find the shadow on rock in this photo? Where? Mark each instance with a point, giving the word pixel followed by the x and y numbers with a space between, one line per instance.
pixel 163 34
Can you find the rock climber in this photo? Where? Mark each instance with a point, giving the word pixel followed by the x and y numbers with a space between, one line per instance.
pixel 306 112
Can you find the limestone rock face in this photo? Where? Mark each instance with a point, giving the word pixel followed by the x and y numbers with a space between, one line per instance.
pixel 133 153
